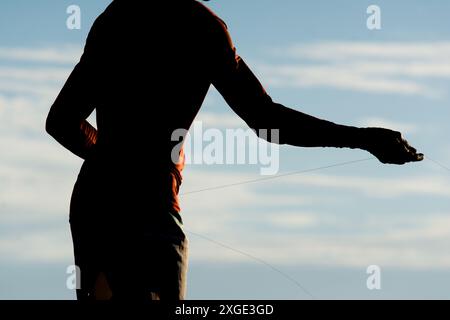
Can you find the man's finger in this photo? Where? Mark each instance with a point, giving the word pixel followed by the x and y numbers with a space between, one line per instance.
pixel 420 156
pixel 415 157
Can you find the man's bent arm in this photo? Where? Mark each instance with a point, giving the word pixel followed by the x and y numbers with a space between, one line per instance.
pixel 66 121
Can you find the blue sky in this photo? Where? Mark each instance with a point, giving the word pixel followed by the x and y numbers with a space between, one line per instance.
pixel 322 228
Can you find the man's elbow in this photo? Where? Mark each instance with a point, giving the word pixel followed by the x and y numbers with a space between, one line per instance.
pixel 266 129
pixel 50 126
pixel 53 125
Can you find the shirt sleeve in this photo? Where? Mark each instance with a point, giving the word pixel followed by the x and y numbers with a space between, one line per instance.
pixel 246 96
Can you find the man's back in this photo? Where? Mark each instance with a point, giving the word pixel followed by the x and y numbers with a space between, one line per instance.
pixel 146 71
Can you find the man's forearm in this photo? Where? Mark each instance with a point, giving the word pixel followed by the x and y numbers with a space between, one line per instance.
pixel 79 139
pixel 299 129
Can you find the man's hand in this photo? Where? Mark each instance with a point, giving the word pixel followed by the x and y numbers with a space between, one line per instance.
pixel 389 146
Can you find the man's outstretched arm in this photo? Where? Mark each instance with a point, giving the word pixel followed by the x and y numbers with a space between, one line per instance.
pixel 247 97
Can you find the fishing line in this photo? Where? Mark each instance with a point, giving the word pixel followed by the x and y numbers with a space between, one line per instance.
pixel 340 164
pixel 291 279
pixel 439 164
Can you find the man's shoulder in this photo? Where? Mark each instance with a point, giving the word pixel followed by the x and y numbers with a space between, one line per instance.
pixel 209 17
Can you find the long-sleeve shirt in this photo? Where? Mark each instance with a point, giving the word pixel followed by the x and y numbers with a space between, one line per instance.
pixel 146 69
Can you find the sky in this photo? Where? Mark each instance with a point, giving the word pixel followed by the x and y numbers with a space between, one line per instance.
pixel 303 236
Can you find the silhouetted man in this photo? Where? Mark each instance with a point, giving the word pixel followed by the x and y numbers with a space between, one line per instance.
pixel 146 69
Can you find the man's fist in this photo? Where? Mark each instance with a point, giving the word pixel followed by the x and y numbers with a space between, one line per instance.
pixel 389 146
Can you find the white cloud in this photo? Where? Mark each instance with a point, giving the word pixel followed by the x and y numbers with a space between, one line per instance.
pixel 40 74
pixel 61 55
pixel 396 68
pixel 21 112
pixel 28 88
pixel 294 220
pixel 38 247
pixel 339 78
pixel 335 50
pixel 378 187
